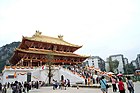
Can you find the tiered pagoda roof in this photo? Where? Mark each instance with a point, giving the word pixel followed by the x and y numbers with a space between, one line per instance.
pixel 52 40
pixel 38 46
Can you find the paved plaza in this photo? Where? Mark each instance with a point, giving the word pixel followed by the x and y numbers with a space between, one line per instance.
pixel 75 90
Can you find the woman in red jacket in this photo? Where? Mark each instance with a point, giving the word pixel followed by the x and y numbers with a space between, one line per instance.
pixel 121 86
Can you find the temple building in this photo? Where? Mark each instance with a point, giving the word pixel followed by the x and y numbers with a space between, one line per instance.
pixel 35 51
pixel 30 61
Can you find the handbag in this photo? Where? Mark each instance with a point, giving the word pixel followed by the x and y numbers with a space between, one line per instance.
pixel 107 86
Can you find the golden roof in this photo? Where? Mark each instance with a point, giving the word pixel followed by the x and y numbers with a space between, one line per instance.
pixel 41 38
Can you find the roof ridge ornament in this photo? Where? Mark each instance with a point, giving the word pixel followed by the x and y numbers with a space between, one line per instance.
pixel 37 33
pixel 60 37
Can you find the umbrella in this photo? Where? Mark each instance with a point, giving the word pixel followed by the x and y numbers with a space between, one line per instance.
pixel 110 73
pixel 120 74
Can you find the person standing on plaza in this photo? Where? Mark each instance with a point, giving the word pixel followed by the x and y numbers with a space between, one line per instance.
pixel 114 81
pixel 85 81
pixel 103 84
pixel 121 86
pixel 130 85
pixel 0 87
pixel 28 86
pixel 97 79
pixel 14 88
pixel 68 82
pixel 54 84
pixel 4 90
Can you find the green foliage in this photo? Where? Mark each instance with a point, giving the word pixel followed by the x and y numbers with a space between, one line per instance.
pixel 2 64
pixel 113 65
pixel 49 62
pixel 129 69
pixel 6 52
pixel 101 66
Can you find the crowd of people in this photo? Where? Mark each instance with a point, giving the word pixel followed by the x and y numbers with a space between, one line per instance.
pixel 20 87
pixel 117 84
pixel 62 84
pixel 85 73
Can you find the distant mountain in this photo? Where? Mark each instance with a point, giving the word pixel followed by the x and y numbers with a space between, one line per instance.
pixel 6 53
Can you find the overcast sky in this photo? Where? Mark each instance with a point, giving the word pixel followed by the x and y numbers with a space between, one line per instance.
pixel 103 27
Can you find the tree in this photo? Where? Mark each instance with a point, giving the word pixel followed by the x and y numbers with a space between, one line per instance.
pixel 101 65
pixel 129 69
pixel 113 65
pixel 49 63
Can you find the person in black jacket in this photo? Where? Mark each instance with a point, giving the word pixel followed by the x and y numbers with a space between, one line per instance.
pixel 4 90
pixel 0 87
